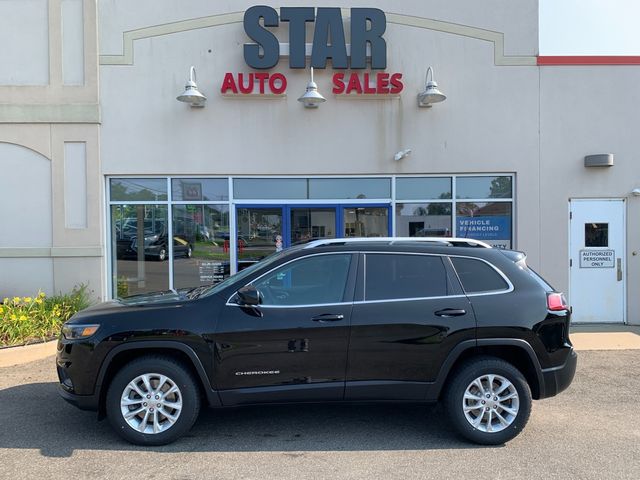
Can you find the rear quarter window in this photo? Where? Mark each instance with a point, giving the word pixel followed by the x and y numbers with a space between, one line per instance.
pixel 477 276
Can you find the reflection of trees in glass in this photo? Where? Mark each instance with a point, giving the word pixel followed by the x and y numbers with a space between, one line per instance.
pixel 500 187
pixel 121 191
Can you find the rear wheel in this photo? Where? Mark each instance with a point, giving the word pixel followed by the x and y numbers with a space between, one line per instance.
pixel 488 401
pixel 153 401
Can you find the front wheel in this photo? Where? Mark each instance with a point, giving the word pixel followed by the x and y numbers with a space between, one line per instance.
pixel 488 401
pixel 153 401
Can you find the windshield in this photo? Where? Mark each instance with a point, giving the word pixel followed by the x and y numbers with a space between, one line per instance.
pixel 213 289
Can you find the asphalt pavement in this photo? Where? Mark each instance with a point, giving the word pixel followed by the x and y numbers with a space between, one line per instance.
pixel 590 431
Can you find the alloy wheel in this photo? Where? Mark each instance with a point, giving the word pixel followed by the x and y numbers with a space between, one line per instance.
pixel 490 403
pixel 151 403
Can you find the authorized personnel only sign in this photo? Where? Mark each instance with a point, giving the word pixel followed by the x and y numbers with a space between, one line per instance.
pixel 597 258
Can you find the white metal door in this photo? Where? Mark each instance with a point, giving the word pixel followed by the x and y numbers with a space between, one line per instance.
pixel 597 265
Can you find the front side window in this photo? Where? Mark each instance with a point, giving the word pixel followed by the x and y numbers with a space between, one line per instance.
pixel 397 276
pixel 308 281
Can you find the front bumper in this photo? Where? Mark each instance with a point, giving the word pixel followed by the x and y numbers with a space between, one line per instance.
pixel 83 402
pixel 557 379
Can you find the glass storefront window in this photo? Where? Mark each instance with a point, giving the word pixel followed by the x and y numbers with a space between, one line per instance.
pixel 139 245
pixel 423 219
pixel 200 214
pixel 259 234
pixel 483 187
pixel 366 222
pixel 200 245
pixel 138 189
pixel 308 223
pixel 341 188
pixel 200 189
pixel 489 222
pixel 426 188
pixel 270 188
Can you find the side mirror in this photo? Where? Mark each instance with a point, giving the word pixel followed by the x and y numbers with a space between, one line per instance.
pixel 248 295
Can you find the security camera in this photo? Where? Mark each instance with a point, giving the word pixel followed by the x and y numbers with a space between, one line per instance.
pixel 401 154
pixel 635 192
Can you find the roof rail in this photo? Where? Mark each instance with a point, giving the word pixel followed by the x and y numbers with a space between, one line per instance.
pixel 451 241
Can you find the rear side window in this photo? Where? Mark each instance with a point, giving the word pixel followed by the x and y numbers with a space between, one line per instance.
pixel 477 276
pixel 390 277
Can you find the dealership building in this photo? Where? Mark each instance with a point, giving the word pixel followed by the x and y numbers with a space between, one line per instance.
pixel 158 144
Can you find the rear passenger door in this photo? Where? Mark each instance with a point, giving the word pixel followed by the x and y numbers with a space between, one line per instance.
pixel 410 312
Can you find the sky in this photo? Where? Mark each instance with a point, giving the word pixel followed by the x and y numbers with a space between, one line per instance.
pixel 589 27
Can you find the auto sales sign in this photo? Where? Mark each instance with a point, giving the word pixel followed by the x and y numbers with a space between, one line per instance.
pixel 367 27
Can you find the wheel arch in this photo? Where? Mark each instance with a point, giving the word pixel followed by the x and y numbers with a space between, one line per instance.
pixel 125 353
pixel 517 352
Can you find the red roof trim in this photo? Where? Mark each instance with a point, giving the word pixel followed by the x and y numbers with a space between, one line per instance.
pixel 588 60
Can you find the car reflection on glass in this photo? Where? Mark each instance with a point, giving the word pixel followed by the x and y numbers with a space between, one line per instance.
pixel 155 243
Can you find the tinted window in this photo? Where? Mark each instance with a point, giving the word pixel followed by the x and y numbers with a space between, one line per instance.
pixel 200 189
pixel 349 188
pixel 423 188
pixel 308 281
pixel 483 187
pixel 138 189
pixel 404 276
pixel 477 276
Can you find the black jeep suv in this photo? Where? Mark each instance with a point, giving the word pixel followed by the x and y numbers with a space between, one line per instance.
pixel 342 320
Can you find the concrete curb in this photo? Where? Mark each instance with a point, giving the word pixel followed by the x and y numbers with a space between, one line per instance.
pixel 28 353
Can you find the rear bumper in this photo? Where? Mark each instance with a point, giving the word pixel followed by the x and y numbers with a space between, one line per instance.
pixel 557 379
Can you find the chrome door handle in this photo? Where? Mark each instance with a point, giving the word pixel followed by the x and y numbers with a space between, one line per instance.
pixel 327 317
pixel 619 265
pixel 450 312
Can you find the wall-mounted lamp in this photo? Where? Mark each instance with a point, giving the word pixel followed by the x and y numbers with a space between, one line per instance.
pixel 431 93
pixel 635 192
pixel 401 154
pixel 191 94
pixel 312 98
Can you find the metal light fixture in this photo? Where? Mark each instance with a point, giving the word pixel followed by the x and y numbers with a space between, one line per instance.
pixel 312 98
pixel 191 94
pixel 431 93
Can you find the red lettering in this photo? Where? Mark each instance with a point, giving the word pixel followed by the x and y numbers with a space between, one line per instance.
pixel 261 77
pixel 396 83
pixel 382 82
pixel 367 87
pixel 249 87
pixel 354 84
pixel 272 83
pixel 338 83
pixel 228 83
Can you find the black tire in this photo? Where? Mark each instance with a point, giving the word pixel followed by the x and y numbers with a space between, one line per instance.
pixel 454 399
pixel 162 254
pixel 178 374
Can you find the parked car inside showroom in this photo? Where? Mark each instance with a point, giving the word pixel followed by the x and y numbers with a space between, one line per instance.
pixel 333 320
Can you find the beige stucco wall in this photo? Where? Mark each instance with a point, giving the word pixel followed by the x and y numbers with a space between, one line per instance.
pixel 40 117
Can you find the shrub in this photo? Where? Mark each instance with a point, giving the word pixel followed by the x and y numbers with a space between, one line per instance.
pixel 29 319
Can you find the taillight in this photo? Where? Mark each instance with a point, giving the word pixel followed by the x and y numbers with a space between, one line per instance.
pixel 556 302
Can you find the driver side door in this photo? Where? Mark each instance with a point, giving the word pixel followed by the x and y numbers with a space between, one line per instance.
pixel 293 345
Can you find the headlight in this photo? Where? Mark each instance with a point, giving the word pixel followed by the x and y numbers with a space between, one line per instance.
pixel 75 331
